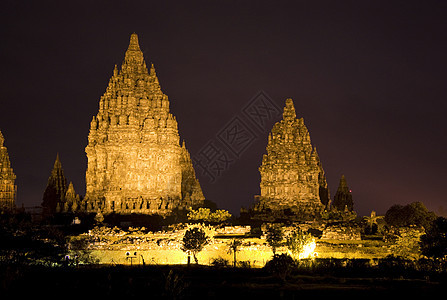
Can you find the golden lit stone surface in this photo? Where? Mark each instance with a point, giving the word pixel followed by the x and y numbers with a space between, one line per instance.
pixel 8 189
pixel 135 161
pixel 293 183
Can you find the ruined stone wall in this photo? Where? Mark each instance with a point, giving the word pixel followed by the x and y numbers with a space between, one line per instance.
pixel 341 232
pixel 114 246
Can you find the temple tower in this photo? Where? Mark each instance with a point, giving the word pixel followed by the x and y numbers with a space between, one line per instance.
pixel 8 189
pixel 135 161
pixel 54 193
pixel 343 197
pixel 293 184
pixel 58 197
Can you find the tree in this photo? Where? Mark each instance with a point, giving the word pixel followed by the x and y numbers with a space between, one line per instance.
pixel 194 241
pixel 220 215
pixel 234 247
pixel 275 235
pixel 411 214
pixel 205 215
pixel 434 242
pixel 23 242
pixel 79 252
pixel 407 242
pixel 372 223
pixel 300 244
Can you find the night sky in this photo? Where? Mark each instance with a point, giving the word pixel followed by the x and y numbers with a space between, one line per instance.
pixel 368 77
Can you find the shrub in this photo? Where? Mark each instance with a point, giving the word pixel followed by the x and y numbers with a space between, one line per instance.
pixel 220 262
pixel 434 242
pixel 244 264
pixel 281 265
pixel 301 245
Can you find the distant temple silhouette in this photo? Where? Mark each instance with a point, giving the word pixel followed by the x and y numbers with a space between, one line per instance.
pixel 58 197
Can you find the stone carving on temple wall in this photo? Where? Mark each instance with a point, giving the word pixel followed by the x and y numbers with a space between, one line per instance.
pixel 135 161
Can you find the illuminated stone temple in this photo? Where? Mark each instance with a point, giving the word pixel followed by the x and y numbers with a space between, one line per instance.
pixel 293 183
pixel 8 189
pixel 136 163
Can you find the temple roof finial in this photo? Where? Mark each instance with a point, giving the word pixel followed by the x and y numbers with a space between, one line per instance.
pixel 289 110
pixel 343 183
pixel 133 44
pixel 133 53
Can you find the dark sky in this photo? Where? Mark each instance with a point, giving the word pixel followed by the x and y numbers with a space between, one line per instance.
pixel 368 77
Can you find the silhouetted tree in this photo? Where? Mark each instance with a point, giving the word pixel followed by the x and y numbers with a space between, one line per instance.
pixel 234 247
pixel 412 214
pixel 193 241
pixel 371 223
pixel 22 242
pixel 434 242
pixel 275 235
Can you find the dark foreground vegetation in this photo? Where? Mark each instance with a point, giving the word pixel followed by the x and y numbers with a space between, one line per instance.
pixel 280 279
pixel 33 262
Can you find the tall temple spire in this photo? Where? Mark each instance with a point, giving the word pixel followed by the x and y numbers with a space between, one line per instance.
pixel 133 44
pixel 57 164
pixel 343 185
pixel 292 177
pixel 289 113
pixel 133 53
pixel 135 160
pixel 71 200
pixel 8 189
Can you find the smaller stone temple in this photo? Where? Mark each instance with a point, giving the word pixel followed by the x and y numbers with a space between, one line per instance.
pixel 343 197
pixel 8 189
pixel 293 183
pixel 58 197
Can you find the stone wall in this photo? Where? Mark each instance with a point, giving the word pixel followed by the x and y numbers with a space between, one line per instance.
pixel 341 232
pixel 115 246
